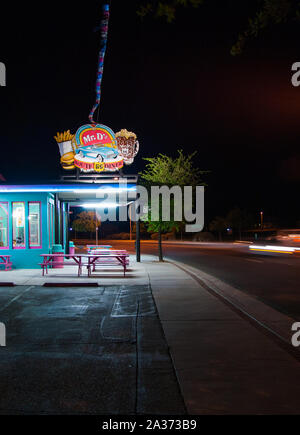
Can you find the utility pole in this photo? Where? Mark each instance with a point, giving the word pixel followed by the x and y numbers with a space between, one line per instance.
pixel 130 229
pixel 261 219
pixel 96 226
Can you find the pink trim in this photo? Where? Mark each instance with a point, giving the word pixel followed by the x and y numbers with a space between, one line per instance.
pixel 40 224
pixel 2 248
pixel 12 207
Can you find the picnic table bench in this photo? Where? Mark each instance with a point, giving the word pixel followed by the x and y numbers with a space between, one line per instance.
pixel 5 261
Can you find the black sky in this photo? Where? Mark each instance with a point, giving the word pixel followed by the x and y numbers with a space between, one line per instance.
pixel 176 85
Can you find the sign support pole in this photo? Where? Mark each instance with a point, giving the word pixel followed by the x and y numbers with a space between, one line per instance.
pixel 138 242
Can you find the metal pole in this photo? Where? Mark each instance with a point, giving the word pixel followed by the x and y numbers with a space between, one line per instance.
pixel 56 216
pixel 61 232
pixel 261 219
pixel 67 228
pixel 130 229
pixel 138 242
pixel 96 227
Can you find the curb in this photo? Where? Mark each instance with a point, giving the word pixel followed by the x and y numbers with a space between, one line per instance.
pixel 264 316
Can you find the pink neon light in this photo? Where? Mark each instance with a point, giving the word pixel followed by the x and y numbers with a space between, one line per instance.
pixel 20 247
pixel 7 235
pixel 40 224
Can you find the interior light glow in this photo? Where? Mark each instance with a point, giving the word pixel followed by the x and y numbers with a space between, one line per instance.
pixel 99 205
pixel 105 190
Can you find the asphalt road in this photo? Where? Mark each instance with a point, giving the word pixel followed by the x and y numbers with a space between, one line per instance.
pixel 274 279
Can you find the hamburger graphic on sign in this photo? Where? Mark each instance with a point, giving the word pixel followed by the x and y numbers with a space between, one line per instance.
pixel 95 148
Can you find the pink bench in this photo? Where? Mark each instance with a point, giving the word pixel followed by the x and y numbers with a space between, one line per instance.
pixel 115 258
pixel 5 261
pixel 109 260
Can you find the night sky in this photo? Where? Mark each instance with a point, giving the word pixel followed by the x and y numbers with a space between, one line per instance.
pixel 175 85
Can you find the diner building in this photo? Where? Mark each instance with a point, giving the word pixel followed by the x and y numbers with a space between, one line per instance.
pixel 35 217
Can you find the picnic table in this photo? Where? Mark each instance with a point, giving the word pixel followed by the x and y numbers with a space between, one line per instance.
pixel 113 258
pixel 77 260
pixel 5 261
pixel 91 248
pixel 108 258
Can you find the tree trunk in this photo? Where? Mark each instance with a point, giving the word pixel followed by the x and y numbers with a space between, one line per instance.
pixel 160 253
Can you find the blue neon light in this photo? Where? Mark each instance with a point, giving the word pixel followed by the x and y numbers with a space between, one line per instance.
pixel 55 188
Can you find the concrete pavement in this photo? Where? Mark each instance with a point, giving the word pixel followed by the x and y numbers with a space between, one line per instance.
pixel 85 351
pixel 224 364
pixel 63 355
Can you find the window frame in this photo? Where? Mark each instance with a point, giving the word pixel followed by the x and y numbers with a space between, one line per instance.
pixel 40 224
pixel 8 226
pixel 25 232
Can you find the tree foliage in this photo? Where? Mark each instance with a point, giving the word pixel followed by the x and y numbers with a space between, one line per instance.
pixel 268 14
pixel 164 170
pixel 168 171
pixel 236 219
pixel 165 9
pixel 271 12
pixel 86 222
pixel 218 225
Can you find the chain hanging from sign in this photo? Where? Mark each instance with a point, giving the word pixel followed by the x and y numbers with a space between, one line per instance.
pixel 95 147
pixel 104 34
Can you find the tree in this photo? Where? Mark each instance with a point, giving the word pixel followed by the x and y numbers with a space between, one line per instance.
pixel 166 9
pixel 239 220
pixel 218 225
pixel 87 222
pixel 269 13
pixel 234 219
pixel 168 171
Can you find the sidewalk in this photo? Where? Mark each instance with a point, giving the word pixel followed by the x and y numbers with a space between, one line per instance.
pixel 224 364
pixel 135 275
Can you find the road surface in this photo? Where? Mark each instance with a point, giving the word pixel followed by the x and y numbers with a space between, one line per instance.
pixel 274 279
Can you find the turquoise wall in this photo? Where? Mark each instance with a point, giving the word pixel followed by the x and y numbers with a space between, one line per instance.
pixel 29 258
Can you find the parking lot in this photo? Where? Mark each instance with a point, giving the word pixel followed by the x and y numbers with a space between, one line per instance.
pixel 76 350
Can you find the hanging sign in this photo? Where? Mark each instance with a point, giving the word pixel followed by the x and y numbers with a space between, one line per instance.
pixel 128 145
pixel 97 134
pixel 66 149
pixel 96 148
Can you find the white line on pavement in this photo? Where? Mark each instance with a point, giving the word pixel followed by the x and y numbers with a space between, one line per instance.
pixel 16 298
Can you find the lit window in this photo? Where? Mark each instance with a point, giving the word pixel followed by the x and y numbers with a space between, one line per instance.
pixel 18 209
pixel 3 225
pixel 34 224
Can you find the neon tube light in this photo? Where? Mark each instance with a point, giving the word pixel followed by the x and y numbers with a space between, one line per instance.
pixel 66 188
